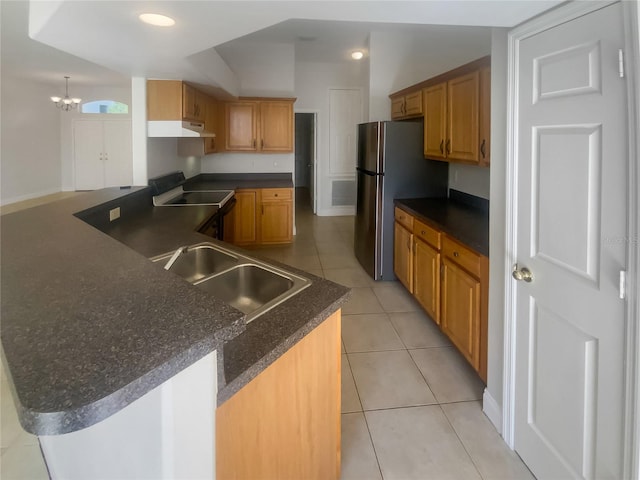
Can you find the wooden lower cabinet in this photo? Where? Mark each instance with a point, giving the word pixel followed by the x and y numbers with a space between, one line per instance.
pixel 460 319
pixel 276 216
pixel 403 255
pixel 285 423
pixel 244 218
pixel 449 280
pixel 263 216
pixel 426 279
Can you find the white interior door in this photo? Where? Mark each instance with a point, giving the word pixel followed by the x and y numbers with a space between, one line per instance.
pixel 88 154
pixel 571 219
pixel 118 156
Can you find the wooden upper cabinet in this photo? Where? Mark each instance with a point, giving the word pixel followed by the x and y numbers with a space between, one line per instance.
pixel 164 100
pixel 485 116
pixel 435 125
pixel 241 126
pixel 413 104
pixel 259 126
pixel 463 99
pixel 397 108
pixel 276 126
pixel 406 106
pixel 175 100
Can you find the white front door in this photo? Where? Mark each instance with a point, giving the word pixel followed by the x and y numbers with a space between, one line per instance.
pixel 88 154
pixel 571 225
pixel 118 165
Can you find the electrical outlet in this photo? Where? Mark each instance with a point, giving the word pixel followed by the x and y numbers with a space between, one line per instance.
pixel 114 214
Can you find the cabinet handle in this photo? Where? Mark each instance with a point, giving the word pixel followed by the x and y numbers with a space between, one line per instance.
pixel 448 148
pixel 262 143
pixel 456 254
pixel 482 148
pixel 276 195
pixel 254 143
pixel 423 232
pixel 442 146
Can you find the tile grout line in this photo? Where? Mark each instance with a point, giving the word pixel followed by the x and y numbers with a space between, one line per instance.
pixel 473 462
pixel 355 385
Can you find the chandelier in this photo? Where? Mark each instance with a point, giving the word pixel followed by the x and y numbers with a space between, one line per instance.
pixel 65 103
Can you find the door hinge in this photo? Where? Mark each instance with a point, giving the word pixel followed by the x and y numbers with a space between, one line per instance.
pixel 621 62
pixel 623 284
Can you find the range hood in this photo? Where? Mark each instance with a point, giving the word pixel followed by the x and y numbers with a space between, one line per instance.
pixel 177 129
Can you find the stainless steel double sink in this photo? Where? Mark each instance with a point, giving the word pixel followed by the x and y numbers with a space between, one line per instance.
pixel 247 284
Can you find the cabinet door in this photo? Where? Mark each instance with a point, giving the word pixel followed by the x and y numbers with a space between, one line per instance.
pixel 244 227
pixel 276 222
pixel 276 127
pixel 485 116
pixel 413 103
pixel 164 100
pixel 462 118
pixel 435 125
pixel 88 154
pixel 397 108
pixel 189 102
pixel 402 255
pixel 241 126
pixel 276 215
pixel 460 315
pixel 118 153
pixel 426 286
pixel 211 125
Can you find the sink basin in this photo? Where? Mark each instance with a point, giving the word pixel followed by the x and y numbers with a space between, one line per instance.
pixel 247 284
pixel 199 261
pixel 247 287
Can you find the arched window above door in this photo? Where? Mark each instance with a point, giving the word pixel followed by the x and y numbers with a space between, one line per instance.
pixel 105 106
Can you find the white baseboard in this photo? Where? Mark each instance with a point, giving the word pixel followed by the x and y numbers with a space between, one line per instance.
pixel 492 410
pixel 337 211
pixel 29 196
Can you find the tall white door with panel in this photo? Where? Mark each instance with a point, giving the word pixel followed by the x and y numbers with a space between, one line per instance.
pixel 571 225
pixel 102 153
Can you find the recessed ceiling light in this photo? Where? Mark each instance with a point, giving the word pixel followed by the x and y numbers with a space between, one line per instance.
pixel 357 55
pixel 157 19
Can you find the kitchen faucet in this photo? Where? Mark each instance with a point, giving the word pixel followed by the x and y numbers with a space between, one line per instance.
pixel 175 256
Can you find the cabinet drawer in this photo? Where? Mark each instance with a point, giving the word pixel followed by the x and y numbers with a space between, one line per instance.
pixel 427 233
pixel 276 194
pixel 463 256
pixel 404 219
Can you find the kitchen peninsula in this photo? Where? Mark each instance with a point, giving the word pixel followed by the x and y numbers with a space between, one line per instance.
pixel 91 329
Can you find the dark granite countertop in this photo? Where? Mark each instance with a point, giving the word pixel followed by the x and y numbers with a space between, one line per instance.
pixel 466 223
pixel 89 324
pixel 233 181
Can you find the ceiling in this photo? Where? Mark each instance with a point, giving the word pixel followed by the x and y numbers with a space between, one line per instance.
pixel 102 42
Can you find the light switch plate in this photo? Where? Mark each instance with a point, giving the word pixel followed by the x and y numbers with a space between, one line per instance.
pixel 114 214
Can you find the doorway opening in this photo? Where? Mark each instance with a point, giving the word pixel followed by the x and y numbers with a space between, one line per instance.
pixel 305 160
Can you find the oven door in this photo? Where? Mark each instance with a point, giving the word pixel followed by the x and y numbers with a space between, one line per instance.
pixel 215 226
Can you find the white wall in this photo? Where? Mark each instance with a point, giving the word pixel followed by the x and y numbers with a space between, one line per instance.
pixel 497 227
pixel 88 94
pixel 470 179
pixel 248 163
pixel 30 154
pixel 399 60
pixel 313 81
pixel 263 69
pixel 162 157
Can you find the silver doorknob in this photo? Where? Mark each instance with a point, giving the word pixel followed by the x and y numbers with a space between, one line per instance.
pixel 522 274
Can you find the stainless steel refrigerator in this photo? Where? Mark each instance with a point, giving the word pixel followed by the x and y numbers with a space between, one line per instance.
pixel 390 165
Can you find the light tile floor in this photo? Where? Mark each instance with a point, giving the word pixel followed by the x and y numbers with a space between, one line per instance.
pixel 410 402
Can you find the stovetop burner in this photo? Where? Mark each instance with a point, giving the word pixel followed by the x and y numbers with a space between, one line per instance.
pixel 168 191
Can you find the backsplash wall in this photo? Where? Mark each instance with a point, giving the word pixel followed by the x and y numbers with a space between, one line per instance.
pixel 162 157
pixel 248 163
pixel 469 179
